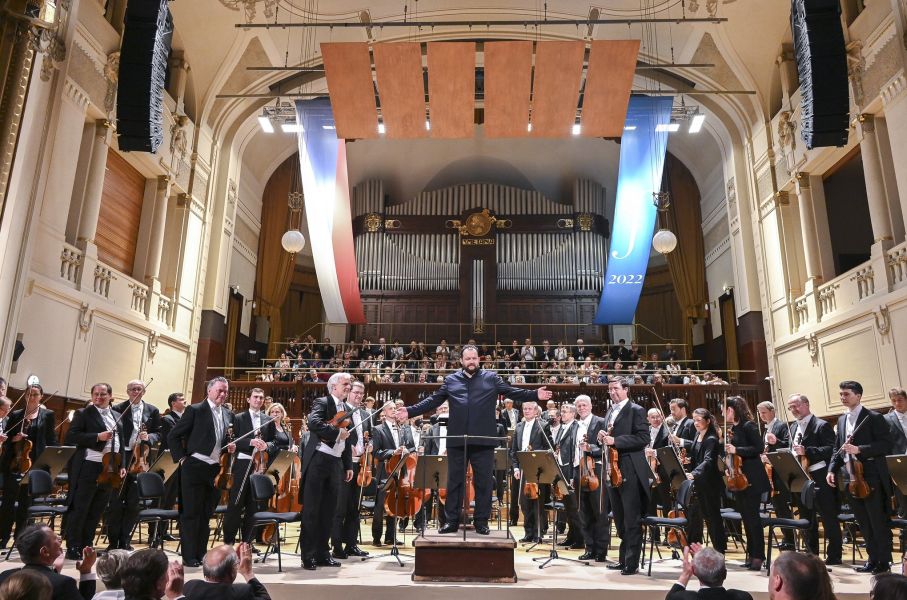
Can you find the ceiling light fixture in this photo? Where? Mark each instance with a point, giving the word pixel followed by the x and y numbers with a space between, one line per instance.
pixel 291 127
pixel 576 129
pixel 696 123
pixel 265 123
pixel 667 127
pixel 381 128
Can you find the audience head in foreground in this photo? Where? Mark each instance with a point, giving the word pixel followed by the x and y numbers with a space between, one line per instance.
pixel 709 568
pixel 799 576
pixel 26 585
pixel 889 586
pixel 147 575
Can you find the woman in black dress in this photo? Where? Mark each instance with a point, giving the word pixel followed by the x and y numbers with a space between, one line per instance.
pixel 708 484
pixel 745 441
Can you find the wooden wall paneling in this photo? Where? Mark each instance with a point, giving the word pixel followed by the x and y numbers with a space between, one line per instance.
pixel 121 214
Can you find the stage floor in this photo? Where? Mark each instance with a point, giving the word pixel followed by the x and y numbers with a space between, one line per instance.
pixel 383 578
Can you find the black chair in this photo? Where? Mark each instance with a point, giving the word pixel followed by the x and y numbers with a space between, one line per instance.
pixel 851 527
pixel 652 524
pixel 218 530
pixel 807 501
pixel 40 485
pixel 262 491
pixel 151 492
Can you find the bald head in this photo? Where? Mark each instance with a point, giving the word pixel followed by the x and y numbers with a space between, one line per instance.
pixel 220 564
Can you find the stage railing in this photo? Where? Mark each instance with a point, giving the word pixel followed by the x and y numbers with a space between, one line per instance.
pixel 297 397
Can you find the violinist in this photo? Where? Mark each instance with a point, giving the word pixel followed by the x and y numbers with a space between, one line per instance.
pixel 123 510
pixel 565 439
pixel 345 532
pixel 529 435
pixel 593 507
pixel 744 441
pixel 865 447
pixel 283 433
pixel 196 443
pixel 326 462
pixel 176 403
pixel 96 433
pixel 707 481
pixel 626 431
pixel 814 441
pixel 897 423
pixel 658 438
pixel 35 424
pixel 684 430
pixel 259 434
pixel 389 439
pixel 775 437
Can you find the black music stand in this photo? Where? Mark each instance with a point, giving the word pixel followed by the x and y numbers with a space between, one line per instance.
pixel 281 462
pixel 790 471
pixel 395 550
pixel 897 468
pixel 53 459
pixel 542 469
pixel 431 470
pixel 164 465
pixel 502 464
pixel 667 458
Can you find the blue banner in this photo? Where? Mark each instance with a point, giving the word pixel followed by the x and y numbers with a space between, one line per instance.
pixel 642 156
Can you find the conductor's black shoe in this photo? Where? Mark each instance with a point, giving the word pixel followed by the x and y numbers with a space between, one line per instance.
pixel 616 567
pixel 449 528
pixel 868 567
pixel 355 551
pixel 309 564
pixel 327 562
pixel 73 554
pixel 482 529
pixel 629 571
pixel 587 556
pixel 339 554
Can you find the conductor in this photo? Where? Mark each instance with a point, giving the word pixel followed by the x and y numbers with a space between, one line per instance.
pixel 472 394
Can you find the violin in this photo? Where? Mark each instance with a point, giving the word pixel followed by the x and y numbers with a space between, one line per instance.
pixel 224 479
pixel 676 537
pixel 653 465
pixel 140 454
pixel 587 478
pixel 612 463
pixel 21 462
pixel 856 484
pixel 804 460
pixel 342 419
pixel 112 464
pixel 769 471
pixel 364 477
pixel 259 458
pixel 734 478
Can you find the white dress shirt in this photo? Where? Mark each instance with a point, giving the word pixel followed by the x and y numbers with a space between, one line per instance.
pixel 338 447
pixel 111 445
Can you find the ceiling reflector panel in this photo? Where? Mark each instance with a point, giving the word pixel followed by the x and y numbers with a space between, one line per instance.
pixel 555 91
pixel 451 89
pixel 508 84
pixel 401 89
pixel 348 71
pixel 612 64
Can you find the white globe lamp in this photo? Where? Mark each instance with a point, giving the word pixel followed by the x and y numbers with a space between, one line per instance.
pixel 293 241
pixel 664 241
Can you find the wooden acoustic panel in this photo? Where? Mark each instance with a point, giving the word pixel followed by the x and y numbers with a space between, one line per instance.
pixel 401 90
pixel 120 215
pixel 508 85
pixel 555 91
pixel 612 65
pixel 348 70
pixel 451 89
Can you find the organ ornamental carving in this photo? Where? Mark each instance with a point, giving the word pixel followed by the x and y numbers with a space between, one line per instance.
pixel 373 222
pixel 478 224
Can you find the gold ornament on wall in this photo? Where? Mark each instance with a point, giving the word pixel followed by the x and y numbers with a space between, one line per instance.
pixel 373 222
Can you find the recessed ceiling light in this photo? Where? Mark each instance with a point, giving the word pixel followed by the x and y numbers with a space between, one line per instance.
pixel 696 123
pixel 266 124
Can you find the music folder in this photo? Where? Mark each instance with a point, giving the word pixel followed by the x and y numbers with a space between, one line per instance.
pixel 789 470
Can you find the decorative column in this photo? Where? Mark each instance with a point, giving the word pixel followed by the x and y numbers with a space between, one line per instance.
pixel 94 188
pixel 179 75
pixel 156 240
pixel 875 188
pixel 808 231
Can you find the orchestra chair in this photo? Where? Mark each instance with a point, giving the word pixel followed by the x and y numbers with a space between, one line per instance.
pixel 43 506
pixel 807 501
pixel 262 492
pixel 151 493
pixel 849 522
pixel 219 511
pixel 654 523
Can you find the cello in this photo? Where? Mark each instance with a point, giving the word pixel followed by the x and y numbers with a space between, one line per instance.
pixel 403 499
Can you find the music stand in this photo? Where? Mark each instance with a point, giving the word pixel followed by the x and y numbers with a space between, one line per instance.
pixel 667 459
pixel 540 468
pixel 53 459
pixel 502 464
pixel 281 462
pixel 395 550
pixel 164 465
pixel 897 468
pixel 431 470
pixel 790 471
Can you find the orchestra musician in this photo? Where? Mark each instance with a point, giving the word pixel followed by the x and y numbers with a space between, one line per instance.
pixel 705 473
pixel 283 433
pixel 123 509
pixel 529 435
pixel 814 439
pixel 326 462
pixel 626 429
pixel 566 444
pixel 744 441
pixel 259 434
pixel 870 444
pixel 684 429
pixel 345 533
pixel 510 415
pixel 593 507
pixel 389 439
pixel 775 437
pixel 658 438
pixel 474 392
pixel 897 423
pixel 96 432
pixel 176 403
pixel 436 444
pixel 35 423
pixel 196 443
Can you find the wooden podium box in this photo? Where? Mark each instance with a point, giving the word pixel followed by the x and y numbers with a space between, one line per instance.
pixel 478 558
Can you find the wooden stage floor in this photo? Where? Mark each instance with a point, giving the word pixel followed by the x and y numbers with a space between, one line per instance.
pixel 384 579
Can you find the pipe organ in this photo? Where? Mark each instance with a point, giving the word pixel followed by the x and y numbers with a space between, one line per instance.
pixel 478 244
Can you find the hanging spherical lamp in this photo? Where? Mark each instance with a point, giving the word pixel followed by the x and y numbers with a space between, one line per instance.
pixel 664 241
pixel 293 241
